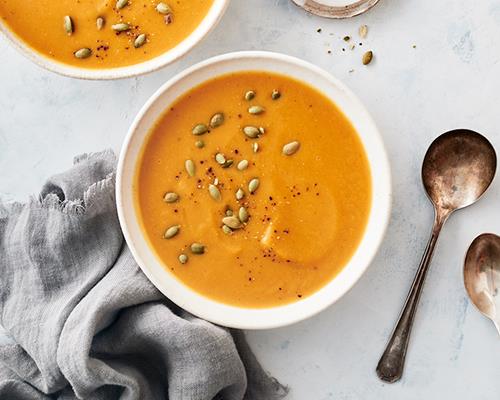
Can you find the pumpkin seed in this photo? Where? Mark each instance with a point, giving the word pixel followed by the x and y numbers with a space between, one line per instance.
pixel 255 110
pixel 291 148
pixel 214 192
pixel 164 9
pixel 262 130
pixel 200 144
pixel 121 4
pixel 217 120
pixel 251 131
pixel 242 165
pixel 363 31
pixel 227 164
pixel 275 95
pixel 171 197
pixel 168 19
pixel 183 258
pixel 229 213
pixel 243 214
pixel 227 230
pixel 253 185
pixel 140 40
pixel 99 22
pixel 367 57
pixel 240 193
pixel 233 222
pixel 250 95
pixel 83 53
pixel 68 25
pixel 216 181
pixel 121 27
pixel 219 157
pixel 255 147
pixel 200 129
pixel 172 231
pixel 197 248
pixel 190 167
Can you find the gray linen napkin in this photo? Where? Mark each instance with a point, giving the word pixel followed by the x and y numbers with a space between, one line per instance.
pixel 84 322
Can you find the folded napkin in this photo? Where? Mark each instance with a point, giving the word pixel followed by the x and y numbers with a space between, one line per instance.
pixel 84 322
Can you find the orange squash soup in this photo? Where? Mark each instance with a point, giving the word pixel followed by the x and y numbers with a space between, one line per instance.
pixel 253 189
pixel 103 33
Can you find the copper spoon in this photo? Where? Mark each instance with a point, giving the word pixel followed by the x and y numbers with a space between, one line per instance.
pixel 458 168
pixel 482 276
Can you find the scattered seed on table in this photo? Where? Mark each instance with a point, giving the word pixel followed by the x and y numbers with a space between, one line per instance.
pixel 367 57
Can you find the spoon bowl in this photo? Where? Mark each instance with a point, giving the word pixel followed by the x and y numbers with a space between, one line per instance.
pixel 482 276
pixel 458 168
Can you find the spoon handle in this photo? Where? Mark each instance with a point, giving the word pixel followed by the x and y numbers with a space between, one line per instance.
pixel 390 366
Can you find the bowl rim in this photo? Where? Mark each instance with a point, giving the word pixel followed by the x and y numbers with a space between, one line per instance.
pixel 208 23
pixel 259 318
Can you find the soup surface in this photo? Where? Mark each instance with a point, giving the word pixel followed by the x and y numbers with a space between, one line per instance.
pixel 305 218
pixel 44 26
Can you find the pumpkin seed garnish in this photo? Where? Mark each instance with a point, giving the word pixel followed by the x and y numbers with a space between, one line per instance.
pixel 255 147
pixel 197 248
pixel 217 120
pixel 214 192
pixel 250 95
pixel 233 222
pixel 171 197
pixel 216 181
pixel 291 148
pixel 140 40
pixel 121 4
pixel 99 22
pixel 252 132
pixel 168 19
pixel 262 130
pixel 367 57
pixel 83 53
pixel 240 193
pixel 256 110
pixel 172 231
pixel 164 9
pixel 227 230
pixel 275 95
pixel 253 185
pixel 242 165
pixel 229 212
pixel 183 258
pixel 219 157
pixel 363 31
pixel 68 25
pixel 190 167
pixel 200 129
pixel 227 164
pixel 243 214
pixel 200 144
pixel 121 27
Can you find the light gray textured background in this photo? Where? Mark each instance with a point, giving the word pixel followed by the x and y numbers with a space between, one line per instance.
pixel 451 79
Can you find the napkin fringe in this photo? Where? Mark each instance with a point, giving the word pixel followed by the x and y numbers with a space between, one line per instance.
pixel 97 197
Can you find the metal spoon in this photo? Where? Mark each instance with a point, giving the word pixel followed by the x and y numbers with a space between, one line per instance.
pixel 457 169
pixel 482 276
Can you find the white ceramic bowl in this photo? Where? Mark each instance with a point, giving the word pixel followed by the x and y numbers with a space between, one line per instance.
pixel 196 303
pixel 208 23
